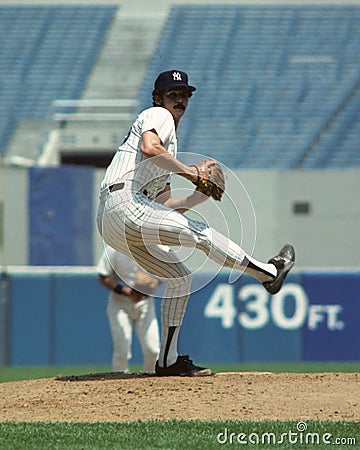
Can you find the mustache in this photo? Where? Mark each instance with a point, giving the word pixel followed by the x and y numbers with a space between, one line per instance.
pixel 179 106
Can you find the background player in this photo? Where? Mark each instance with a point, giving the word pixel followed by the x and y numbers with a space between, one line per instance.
pixel 130 306
pixel 137 213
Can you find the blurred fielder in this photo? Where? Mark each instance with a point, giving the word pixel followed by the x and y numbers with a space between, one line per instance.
pixel 137 214
pixel 131 306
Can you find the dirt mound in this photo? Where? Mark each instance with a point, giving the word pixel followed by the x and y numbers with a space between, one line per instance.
pixel 231 395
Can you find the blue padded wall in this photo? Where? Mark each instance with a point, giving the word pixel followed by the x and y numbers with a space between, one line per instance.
pixel 59 317
pixel 31 319
pixel 84 334
pixel 61 215
pixel 333 330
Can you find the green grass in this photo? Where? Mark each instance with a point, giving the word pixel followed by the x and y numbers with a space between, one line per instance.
pixel 26 373
pixel 178 435
pixel 30 373
pixel 291 367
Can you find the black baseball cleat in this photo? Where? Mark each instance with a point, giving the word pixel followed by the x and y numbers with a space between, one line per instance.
pixel 284 262
pixel 183 367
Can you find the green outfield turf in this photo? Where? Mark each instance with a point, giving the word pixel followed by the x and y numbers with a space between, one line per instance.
pixel 182 435
pixel 26 373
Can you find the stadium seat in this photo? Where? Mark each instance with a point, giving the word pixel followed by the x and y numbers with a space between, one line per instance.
pixel 47 53
pixel 274 82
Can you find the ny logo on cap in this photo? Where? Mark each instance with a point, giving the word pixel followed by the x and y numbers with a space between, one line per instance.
pixel 176 76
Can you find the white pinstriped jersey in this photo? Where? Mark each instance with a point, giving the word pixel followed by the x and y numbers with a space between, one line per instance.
pixel 129 163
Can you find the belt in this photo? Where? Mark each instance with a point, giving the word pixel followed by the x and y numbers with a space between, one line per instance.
pixel 116 187
pixel 119 186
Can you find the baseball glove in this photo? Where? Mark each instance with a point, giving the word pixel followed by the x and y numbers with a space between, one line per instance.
pixel 210 180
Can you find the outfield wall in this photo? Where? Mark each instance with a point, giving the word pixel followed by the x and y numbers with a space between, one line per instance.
pixel 57 316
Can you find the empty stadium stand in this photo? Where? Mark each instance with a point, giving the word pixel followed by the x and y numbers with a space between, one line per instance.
pixel 46 53
pixel 278 85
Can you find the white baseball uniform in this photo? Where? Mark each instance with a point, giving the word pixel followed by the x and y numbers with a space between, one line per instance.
pixel 125 314
pixel 130 221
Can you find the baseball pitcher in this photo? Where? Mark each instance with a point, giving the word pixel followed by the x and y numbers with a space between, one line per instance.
pixel 138 216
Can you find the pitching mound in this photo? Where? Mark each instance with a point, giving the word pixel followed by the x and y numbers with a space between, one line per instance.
pixel 132 397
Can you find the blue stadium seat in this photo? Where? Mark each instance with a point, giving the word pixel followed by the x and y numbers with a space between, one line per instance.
pixel 273 82
pixel 47 52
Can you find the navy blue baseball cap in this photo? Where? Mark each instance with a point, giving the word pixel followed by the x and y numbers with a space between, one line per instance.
pixel 172 79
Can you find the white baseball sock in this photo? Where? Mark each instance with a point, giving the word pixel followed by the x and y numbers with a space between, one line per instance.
pixel 168 351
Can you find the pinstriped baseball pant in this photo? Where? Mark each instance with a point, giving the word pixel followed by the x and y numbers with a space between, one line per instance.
pixel 144 230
